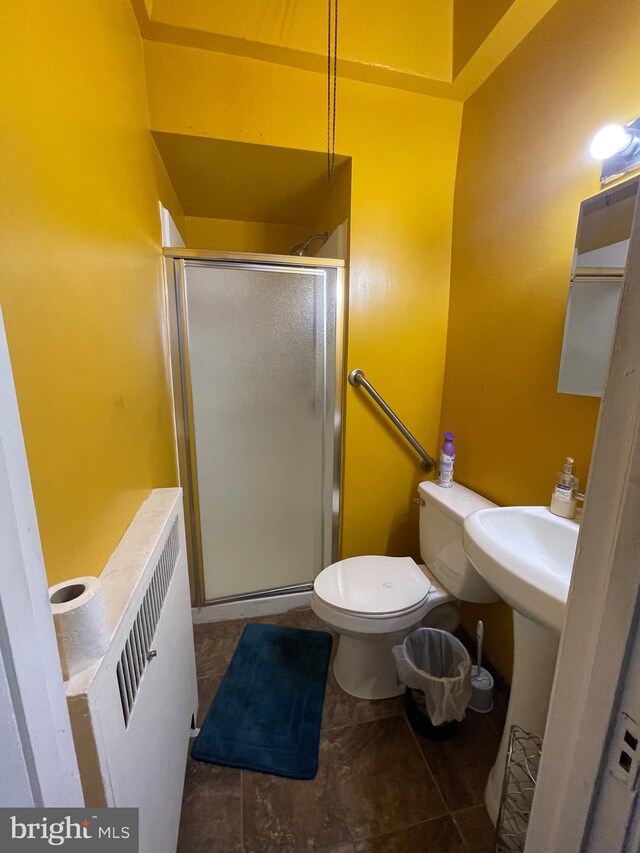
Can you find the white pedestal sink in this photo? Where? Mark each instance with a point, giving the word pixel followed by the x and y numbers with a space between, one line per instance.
pixel 526 555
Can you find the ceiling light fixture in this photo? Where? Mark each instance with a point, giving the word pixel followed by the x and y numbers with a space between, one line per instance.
pixel 619 149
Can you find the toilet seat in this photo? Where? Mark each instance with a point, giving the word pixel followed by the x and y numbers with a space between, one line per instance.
pixel 372 603
pixel 373 586
pixel 334 600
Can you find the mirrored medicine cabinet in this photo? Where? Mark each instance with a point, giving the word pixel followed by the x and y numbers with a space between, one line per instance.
pixel 599 259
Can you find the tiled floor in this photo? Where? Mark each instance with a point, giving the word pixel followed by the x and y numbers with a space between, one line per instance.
pixel 380 787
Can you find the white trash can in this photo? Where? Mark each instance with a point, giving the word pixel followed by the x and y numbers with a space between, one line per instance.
pixel 436 668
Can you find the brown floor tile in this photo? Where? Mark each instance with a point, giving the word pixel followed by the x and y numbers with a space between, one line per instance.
pixel 215 644
pixel 207 689
pixel 372 780
pixel 211 820
pixel 461 765
pixel 341 709
pixel 476 829
pixel 374 792
pixel 301 617
pixel 381 777
pixel 288 816
pixel 434 836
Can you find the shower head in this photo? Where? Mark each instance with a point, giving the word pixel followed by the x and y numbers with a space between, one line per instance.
pixel 301 248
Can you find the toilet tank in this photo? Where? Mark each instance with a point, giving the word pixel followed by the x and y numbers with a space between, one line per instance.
pixel 441 520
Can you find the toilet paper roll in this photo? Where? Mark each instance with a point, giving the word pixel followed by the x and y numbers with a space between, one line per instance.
pixel 80 619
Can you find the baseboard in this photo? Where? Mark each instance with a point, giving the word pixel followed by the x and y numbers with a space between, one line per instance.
pixel 266 606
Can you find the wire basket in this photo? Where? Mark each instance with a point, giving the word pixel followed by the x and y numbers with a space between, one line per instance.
pixel 518 788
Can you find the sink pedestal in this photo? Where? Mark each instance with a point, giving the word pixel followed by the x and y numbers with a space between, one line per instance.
pixel 534 663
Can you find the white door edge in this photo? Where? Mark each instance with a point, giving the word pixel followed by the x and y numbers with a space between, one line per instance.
pixel 34 696
pixel 603 600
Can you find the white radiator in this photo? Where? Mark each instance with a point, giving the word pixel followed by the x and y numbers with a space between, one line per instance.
pixel 132 712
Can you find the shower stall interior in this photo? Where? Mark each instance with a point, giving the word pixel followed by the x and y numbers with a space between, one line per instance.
pixel 256 360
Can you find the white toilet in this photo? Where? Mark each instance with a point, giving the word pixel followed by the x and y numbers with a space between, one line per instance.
pixel 373 602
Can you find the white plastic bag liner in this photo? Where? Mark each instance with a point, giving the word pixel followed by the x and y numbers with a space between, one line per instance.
pixel 436 663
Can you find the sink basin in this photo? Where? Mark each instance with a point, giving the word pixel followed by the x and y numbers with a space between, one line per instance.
pixel 525 553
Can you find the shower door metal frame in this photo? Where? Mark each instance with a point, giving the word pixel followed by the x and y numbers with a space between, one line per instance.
pixel 180 368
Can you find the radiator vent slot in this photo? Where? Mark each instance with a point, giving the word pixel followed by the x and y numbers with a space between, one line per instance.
pixel 137 650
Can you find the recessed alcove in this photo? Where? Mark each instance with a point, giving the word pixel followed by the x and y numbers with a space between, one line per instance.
pixel 241 197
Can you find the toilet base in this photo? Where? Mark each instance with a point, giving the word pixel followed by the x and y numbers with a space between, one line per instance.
pixel 365 668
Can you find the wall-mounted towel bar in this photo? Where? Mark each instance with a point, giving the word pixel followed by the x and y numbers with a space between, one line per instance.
pixel 357 377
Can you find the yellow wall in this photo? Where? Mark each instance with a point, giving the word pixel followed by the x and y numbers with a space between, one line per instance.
pixel 414 36
pixel 81 280
pixel 222 179
pixel 472 23
pixel 167 195
pixel 404 150
pixel 522 173
pixel 234 235
pixel 337 208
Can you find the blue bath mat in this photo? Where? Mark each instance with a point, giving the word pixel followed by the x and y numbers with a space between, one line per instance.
pixel 267 713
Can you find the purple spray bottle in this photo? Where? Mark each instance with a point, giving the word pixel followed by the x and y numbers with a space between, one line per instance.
pixel 447 457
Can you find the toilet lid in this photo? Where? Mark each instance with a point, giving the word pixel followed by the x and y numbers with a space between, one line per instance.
pixel 373 585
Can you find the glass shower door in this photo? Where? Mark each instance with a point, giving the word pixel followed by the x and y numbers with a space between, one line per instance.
pixel 261 357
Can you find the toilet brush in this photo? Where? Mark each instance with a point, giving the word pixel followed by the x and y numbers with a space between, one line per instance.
pixel 481 680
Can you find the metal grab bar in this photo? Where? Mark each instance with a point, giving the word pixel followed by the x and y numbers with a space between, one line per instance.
pixel 357 377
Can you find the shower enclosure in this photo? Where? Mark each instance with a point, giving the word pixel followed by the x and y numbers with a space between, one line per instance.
pixel 256 359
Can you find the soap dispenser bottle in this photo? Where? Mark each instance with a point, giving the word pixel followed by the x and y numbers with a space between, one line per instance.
pixel 563 498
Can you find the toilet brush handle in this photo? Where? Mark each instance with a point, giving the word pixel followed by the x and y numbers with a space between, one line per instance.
pixel 480 637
